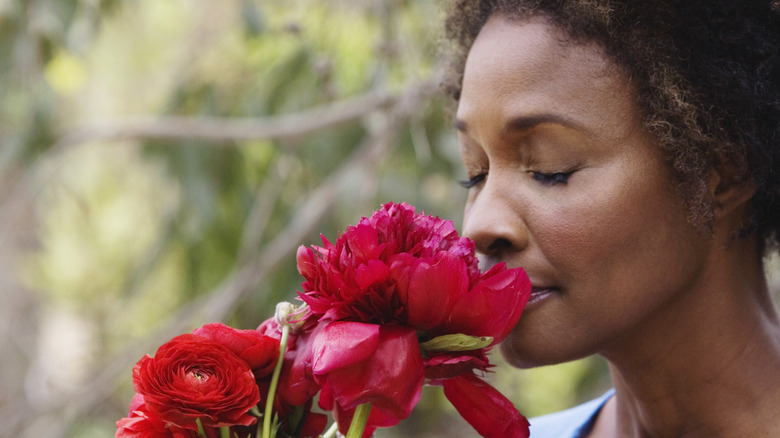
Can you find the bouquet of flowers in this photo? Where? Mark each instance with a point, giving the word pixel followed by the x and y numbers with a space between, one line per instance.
pixel 396 303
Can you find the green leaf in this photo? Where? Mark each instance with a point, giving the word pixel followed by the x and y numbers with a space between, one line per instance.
pixel 456 342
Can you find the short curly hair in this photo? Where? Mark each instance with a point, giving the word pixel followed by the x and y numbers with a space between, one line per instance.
pixel 707 75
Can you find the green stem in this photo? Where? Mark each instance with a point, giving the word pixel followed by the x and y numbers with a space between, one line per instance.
pixel 269 401
pixel 224 432
pixel 201 430
pixel 359 421
pixel 331 432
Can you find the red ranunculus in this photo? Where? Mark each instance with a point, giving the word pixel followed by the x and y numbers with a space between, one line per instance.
pixel 256 349
pixel 141 424
pixel 413 278
pixel 193 377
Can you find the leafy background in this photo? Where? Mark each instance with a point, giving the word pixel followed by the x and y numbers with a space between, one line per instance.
pixel 161 161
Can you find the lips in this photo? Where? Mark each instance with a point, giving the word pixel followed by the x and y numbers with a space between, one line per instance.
pixel 540 293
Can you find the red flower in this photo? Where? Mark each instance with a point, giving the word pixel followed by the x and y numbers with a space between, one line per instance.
pixel 257 350
pixel 296 384
pixel 297 388
pixel 193 377
pixel 486 409
pixel 141 424
pixel 368 363
pixel 376 419
pixel 412 278
pixel 413 270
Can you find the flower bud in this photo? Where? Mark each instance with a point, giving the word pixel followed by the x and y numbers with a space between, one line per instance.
pixel 288 314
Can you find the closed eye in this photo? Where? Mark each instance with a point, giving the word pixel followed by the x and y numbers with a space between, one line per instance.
pixel 473 181
pixel 551 179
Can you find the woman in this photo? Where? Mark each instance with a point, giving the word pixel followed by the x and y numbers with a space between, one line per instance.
pixel 627 155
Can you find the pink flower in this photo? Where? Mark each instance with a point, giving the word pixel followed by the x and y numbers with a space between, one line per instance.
pixel 413 270
pixel 486 409
pixel 369 363
pixel 391 281
pixel 296 389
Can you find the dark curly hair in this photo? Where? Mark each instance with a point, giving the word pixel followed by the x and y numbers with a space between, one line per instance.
pixel 707 75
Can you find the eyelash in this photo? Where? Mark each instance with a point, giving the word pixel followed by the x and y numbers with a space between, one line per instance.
pixel 547 179
pixel 551 179
pixel 473 181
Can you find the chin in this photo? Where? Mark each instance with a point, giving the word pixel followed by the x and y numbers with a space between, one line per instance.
pixel 519 359
pixel 526 355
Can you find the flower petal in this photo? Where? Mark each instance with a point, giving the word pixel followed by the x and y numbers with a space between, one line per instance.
pixel 313 425
pixel 296 383
pixel 363 241
pixel 487 410
pixel 192 377
pixel 141 424
pixel 307 262
pixel 390 379
pixel 449 365
pixel 371 273
pixel 341 344
pixel 259 351
pixel 433 288
pixel 376 418
pixel 493 306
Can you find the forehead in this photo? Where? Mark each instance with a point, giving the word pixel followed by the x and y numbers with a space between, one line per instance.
pixel 504 42
pixel 529 67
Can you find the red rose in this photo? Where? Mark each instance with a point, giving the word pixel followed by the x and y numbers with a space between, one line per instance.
pixel 193 377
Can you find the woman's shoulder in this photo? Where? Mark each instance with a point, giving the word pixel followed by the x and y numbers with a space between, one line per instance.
pixel 571 423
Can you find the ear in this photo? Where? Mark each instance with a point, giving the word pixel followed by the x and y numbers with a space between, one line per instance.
pixel 729 190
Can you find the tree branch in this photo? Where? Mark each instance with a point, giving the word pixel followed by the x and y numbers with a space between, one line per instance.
pixel 216 304
pixel 287 126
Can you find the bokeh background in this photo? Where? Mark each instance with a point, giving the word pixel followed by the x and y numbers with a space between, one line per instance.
pixel 161 161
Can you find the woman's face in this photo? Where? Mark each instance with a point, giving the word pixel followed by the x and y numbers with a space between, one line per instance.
pixel 566 183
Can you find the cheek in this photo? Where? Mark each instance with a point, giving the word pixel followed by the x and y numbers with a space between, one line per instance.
pixel 608 228
pixel 576 226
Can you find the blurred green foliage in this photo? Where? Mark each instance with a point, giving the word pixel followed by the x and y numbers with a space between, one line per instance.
pixel 136 235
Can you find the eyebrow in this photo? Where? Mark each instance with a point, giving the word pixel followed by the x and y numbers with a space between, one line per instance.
pixel 524 123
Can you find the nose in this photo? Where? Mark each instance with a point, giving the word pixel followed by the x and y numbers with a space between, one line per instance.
pixel 493 221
